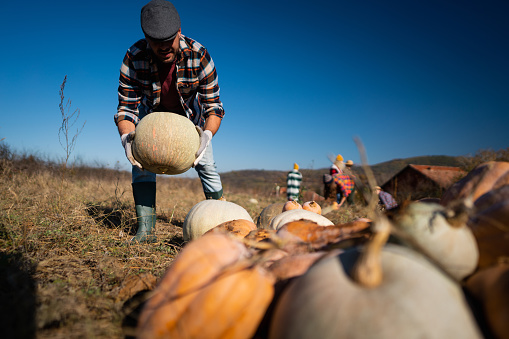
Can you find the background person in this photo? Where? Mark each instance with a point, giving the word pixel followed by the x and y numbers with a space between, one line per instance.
pixel 344 186
pixel 386 200
pixel 348 170
pixel 293 181
pixel 338 165
pixel 167 72
pixel 330 189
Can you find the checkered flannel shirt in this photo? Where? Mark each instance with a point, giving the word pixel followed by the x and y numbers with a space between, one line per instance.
pixel 344 182
pixel 196 80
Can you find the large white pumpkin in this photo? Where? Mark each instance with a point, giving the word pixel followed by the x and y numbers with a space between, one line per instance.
pixel 454 248
pixel 414 300
pixel 207 214
pixel 165 143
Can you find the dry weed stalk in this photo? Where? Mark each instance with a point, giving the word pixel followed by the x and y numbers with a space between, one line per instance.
pixel 68 121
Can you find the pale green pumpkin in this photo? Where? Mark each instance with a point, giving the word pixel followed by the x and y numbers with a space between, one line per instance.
pixel 165 143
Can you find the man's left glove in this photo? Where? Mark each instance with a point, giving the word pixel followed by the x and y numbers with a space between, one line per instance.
pixel 205 137
pixel 127 142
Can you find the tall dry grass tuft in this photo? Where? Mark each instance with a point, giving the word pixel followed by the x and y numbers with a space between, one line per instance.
pixel 71 233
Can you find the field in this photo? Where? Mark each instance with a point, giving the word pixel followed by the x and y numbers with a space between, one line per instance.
pixel 65 269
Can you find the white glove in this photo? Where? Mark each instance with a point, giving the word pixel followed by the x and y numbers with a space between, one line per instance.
pixel 127 142
pixel 205 137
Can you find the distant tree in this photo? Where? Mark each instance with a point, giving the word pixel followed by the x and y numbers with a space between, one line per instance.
pixel 468 163
pixel 5 151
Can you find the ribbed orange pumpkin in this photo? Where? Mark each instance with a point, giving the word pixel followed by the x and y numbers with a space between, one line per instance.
pixel 485 177
pixel 165 143
pixel 211 290
pixel 490 226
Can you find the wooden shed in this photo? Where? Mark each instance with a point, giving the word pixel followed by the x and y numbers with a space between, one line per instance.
pixel 422 181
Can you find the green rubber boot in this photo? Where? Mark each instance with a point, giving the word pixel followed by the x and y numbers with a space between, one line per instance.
pixel 145 202
pixel 214 195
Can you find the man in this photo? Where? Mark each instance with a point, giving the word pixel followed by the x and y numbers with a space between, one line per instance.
pixel 348 170
pixel 386 200
pixel 344 185
pixel 167 72
pixel 293 180
pixel 330 189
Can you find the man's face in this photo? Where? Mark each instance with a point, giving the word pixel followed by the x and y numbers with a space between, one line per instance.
pixel 165 51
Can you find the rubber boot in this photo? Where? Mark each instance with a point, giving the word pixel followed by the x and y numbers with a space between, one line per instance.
pixel 145 203
pixel 214 195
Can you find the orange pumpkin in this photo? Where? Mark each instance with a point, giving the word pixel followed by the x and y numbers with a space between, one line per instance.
pixel 490 226
pixel 232 306
pixel 199 263
pixel 312 206
pixel 208 293
pixel 291 205
pixel 485 177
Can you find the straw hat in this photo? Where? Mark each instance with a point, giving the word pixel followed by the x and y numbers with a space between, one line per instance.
pixel 349 163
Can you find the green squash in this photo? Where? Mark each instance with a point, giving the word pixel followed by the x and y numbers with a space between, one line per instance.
pixel 165 143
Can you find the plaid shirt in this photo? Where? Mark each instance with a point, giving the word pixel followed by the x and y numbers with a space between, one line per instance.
pixel 388 200
pixel 344 182
pixel 196 81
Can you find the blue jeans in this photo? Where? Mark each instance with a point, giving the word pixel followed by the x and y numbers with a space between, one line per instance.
pixel 206 169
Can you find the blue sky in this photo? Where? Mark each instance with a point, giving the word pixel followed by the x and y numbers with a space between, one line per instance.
pixel 299 80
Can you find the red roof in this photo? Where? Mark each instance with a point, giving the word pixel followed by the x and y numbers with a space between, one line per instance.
pixel 443 175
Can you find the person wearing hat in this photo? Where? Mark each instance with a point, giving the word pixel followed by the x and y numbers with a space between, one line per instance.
pixel 344 187
pixel 293 181
pixel 385 199
pixel 348 170
pixel 330 188
pixel 338 165
pixel 167 72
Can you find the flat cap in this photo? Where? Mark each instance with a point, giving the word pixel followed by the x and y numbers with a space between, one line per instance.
pixel 160 20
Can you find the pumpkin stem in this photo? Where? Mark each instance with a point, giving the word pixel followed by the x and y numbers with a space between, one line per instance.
pixel 458 213
pixel 367 271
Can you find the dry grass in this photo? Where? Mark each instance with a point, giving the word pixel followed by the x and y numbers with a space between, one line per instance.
pixel 66 272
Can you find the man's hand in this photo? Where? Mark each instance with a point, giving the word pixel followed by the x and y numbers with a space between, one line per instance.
pixel 127 142
pixel 205 137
